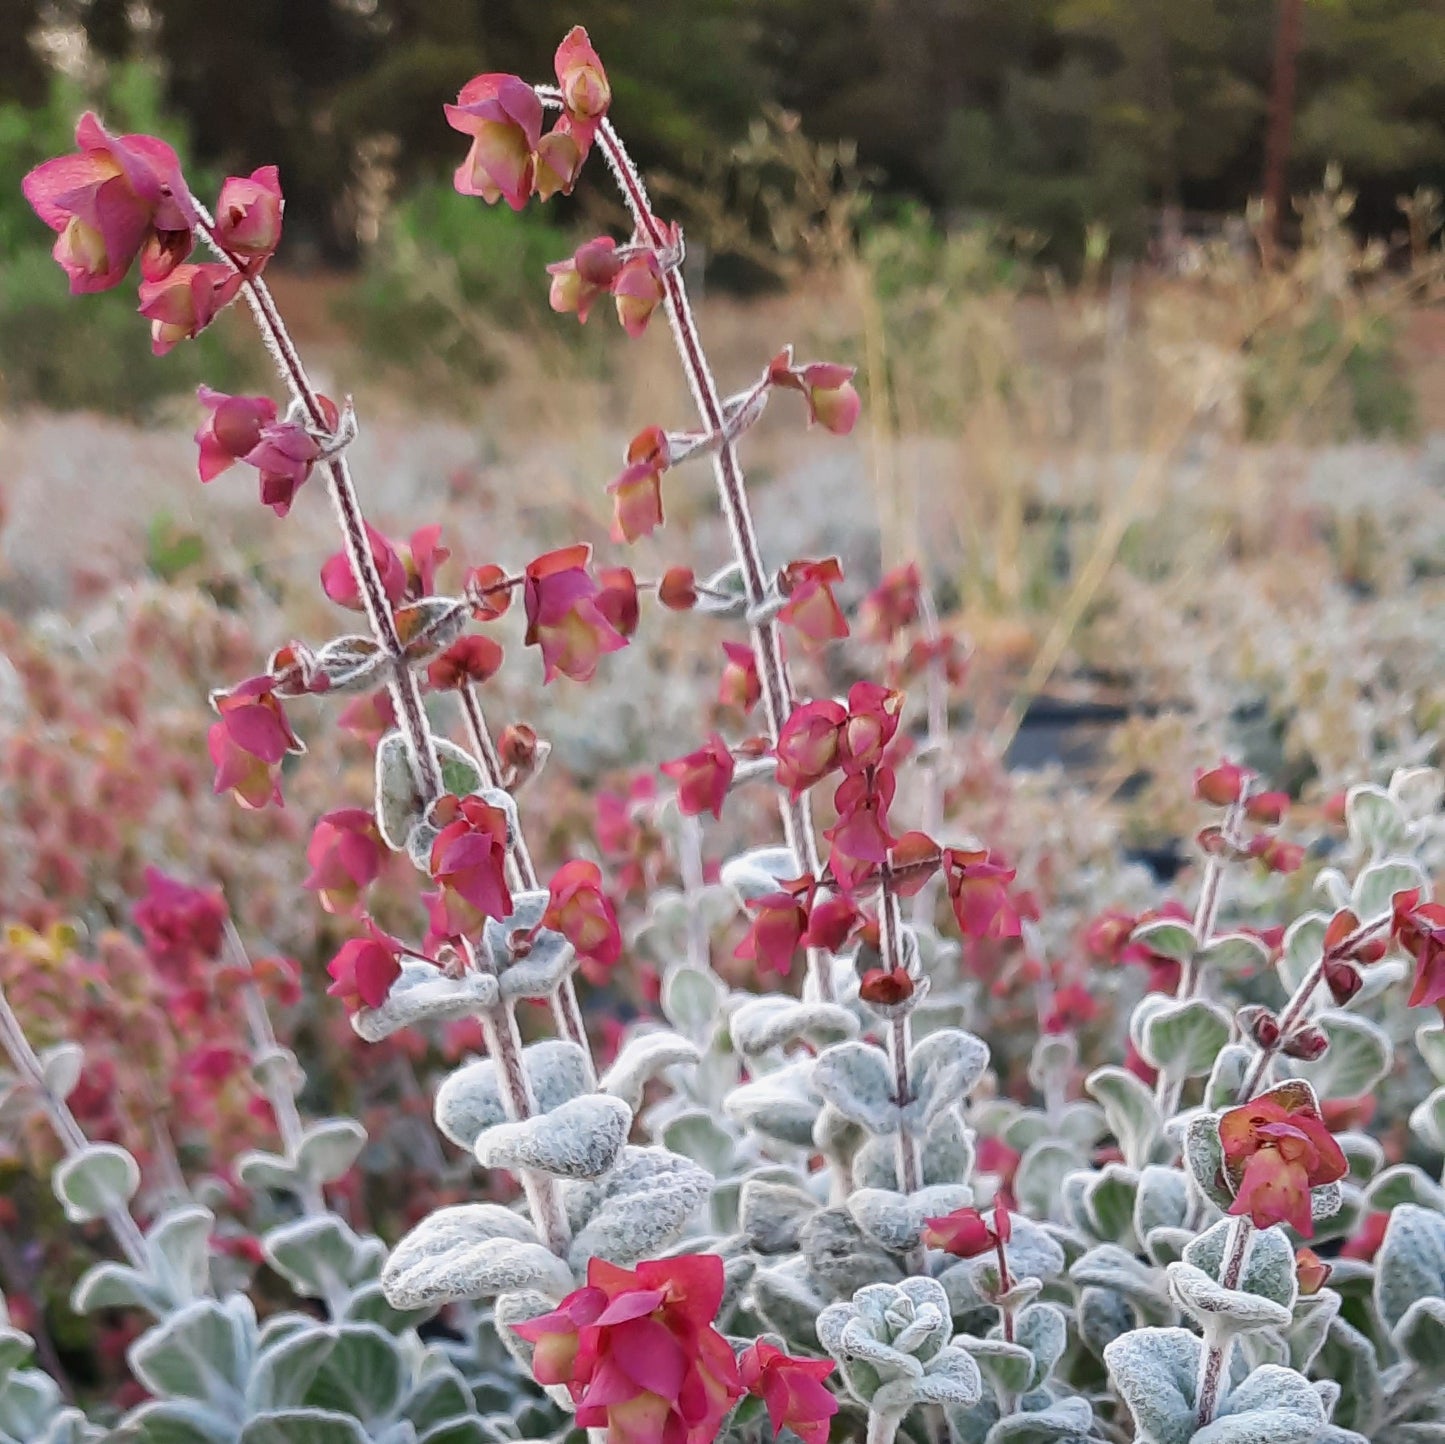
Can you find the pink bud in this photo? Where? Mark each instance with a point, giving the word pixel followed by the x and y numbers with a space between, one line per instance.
pixel 182 305
pixel 232 430
pixel 248 217
pixel 637 289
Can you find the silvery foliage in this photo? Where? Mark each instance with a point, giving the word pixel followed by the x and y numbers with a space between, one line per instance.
pixel 31 1408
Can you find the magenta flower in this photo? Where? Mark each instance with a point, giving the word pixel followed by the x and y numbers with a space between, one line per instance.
pixel 503 116
pixel 584 277
pixel 284 456
pixel 249 742
pixel 791 1388
pixel 468 861
pixel 563 618
pixel 345 854
pixel 579 910
pixel 180 923
pixel 978 890
pixel 248 217
pixel 812 609
pixel 181 306
pixel 231 431
pixel 779 922
pixel 339 582
pixel 703 777
pixel 364 969
pixel 586 93
pixel 810 745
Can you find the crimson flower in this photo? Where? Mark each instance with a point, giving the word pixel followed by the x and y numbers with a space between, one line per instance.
pixel 966 1234
pixel 811 608
pixel 1277 854
pixel 474 658
pixel 468 861
pixel 638 1352
pixel 586 93
pixel 831 921
pixel 791 1388
pixel 886 987
pixel 180 923
pixel 584 277
pixel 810 745
pixel 563 617
pixel 231 431
pixel 364 969
pixel 579 910
pixel 1276 1149
pixel 107 203
pixel 677 589
pixel 345 854
pixel 339 581
pixel 828 388
pixel 249 741
pixel 248 217
pixel 284 456
pixel 617 599
pixel 978 890
pixel 874 712
pixel 860 838
pixel 1419 928
pixel 703 777
pixel 503 116
pixel 1222 785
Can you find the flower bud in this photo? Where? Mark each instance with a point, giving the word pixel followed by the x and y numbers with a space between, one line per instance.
pixel 1221 786
pixel 248 217
pixel 1258 1023
pixel 1342 979
pixel 678 589
pixel 1307 1043
pixel 522 753
pixel 1311 1272
pixel 1267 808
pixel 885 987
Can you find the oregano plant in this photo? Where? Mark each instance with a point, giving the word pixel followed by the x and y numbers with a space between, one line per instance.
pixel 818 1204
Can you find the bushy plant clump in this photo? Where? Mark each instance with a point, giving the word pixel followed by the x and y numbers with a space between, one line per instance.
pixel 806 1206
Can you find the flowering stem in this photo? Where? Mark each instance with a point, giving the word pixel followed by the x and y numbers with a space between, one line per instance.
pixel 266 1054
pixel 1214 1363
pixel 773 675
pixel 900 1040
pixel 16 1047
pixel 883 1425
pixel 1299 1003
pixel 936 694
pixel 522 871
pixel 403 685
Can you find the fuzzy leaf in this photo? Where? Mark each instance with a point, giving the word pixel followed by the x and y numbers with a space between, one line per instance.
pixel 771 1214
pixel 1171 937
pixel 1304 943
pixel 775 1020
pixel 697 1135
pixel 202 1352
pixel 896 1220
pixel 1043 1330
pixel 101 1176
pixel 1214 1306
pixel 470 1251
pixel 469 1100
pixel 1130 1109
pixel 1233 954
pixel 1377 885
pixel 692 1000
pixel 284 1371
pixel 1272 1406
pixel 857 1079
pixel 1061 1422
pixel 636 1210
pixel 1162 1200
pixel 303 1426
pixel 171 1421
pixel 1269 1269
pixel 364 1375
pixel 1108 1199
pixel 1038 1183
pixel 1374 819
pixel 1227 1076
pixel 783 1105
pixel 116 1286
pixel 1184 1039
pixel 422 994
pixel 755 874
pixel 1420 1336
pixel 643 1058
pixel 322 1256
pixel 1430 1040
pixel 1156 1372
pixel 946 1065
pixel 329 1147
pixel 60 1066
pixel 1347 1355
pixel 1411 1262
pixel 580 1139
pixel 1358 1057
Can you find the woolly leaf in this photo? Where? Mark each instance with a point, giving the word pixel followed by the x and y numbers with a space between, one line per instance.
pixel 321 1256
pixel 1215 1307
pixel 946 1065
pixel 637 1209
pixel 1427 1120
pixel 1430 1040
pixel 116 1286
pixel 643 1058
pixel 1061 1420
pixel 1269 1268
pixel 1162 1200
pixel 782 1105
pixel 775 1020
pixel 1420 1336
pixel 1304 944
pixel 101 1176
pixel 1156 1372
pixel 1043 1330
pixel 579 1139
pixel 1377 885
pixel 771 1214
pixel 202 1352
pixel 303 1426
pixel 692 1000
pixel 422 994
pixel 1272 1406
pixel 1183 1039
pixel 470 1251
pixel 469 1100
pixel 328 1149
pixel 784 1297
pixel 857 1079
pixel 1233 954
pixel 284 1370
pixel 1007 1367
pixel 1226 1077
pixel 174 1421
pixel 178 1246
pixel 1358 1057
pixel 1109 1197
pixel 1038 1182
pixel 753 875
pixel 364 1375
pixel 1130 1109
pixel 896 1220
pixel 697 1135
pixel 1411 1262
pixel 60 1066
pixel 1374 819
pixel 1170 937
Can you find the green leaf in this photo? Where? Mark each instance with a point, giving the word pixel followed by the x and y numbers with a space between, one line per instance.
pixel 1109 1200
pixel 1373 818
pixel 203 1352
pixel 1272 1406
pixel 321 1256
pixel 1233 954
pixel 362 1376
pixel 328 1149
pixel 284 1370
pixel 101 1176
pixel 303 1426
pixel 1170 937
pixel 1358 1057
pixel 1038 1182
pixel 1411 1262
pixel 1156 1373
pixel 1183 1039
pixel 1420 1336
pixel 1377 885
pixel 692 1000
pixel 176 1421
pixel 1430 1040
pixel 1129 1107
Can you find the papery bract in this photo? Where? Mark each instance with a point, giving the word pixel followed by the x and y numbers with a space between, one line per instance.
pixel 891 606
pixel 231 431
pixel 364 969
pixel 345 855
pixel 791 1388
pixel 677 589
pixel 810 745
pixel 965 1232
pixel 182 304
pixel 284 456
pixel 978 890
pixel 586 275
pixel 637 491
pixel 740 686
pixel 1420 930
pixel 468 857
pixel 339 581
pixel 248 217
pixel 703 777
pixel 104 202
pixel 503 116
pixel 1276 1149
pixel 812 609
pixel 1222 785
pixel 637 1350
pixel 860 838
pixel 563 617
pixel 471 659
pixel 874 712
pixel 637 291
pixel 578 908
pixel 583 83
pixel 777 926
pixel 617 599
pixel 249 741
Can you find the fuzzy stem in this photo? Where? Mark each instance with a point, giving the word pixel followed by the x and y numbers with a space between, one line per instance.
pixel 776 683
pixel 16 1047
pixel 1214 1365
pixel 279 1093
pixel 689 861
pixel 522 871
pixel 1298 1005
pixel 900 1040
pixel 404 688
pixel 882 1427
pixel 936 695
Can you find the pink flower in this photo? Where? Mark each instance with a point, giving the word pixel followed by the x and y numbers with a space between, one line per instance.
pixel 1276 1150
pixel 179 923
pixel 563 617
pixel 248 217
pixel 811 608
pixel 860 838
pixel 558 160
pixel 637 291
pixel 1419 928
pixel 587 275
pixel 181 306
pixel 468 859
pixel 703 777
pixel 831 921
pixel 978 890
pixel 966 1234
pixel 345 854
pixel 740 685
pixel 637 492
pixel 583 83
pixel 779 921
pixel 617 599
pixel 791 1388
pixel 285 455
pixel 1220 786
pixel 231 431
pixel 364 969
pixel 106 203
pixel 249 742
pixel 637 1350
pixel 809 745
pixel 579 910
pixel 1276 853
pixel 503 116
